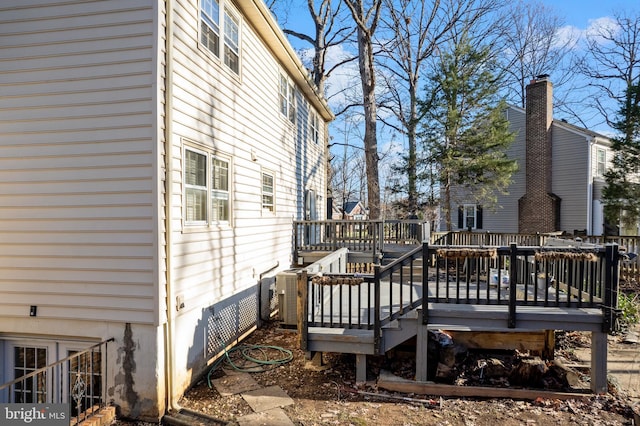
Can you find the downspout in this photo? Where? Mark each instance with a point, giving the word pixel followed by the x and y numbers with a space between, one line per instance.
pixel 591 142
pixel 171 400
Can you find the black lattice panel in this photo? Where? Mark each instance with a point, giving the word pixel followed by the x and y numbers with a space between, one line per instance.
pixel 229 319
pixel 248 313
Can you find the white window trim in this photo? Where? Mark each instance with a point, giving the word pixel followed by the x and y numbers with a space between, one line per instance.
pixel 314 130
pixel 225 8
pixel 602 163
pixel 475 215
pixel 273 191
pixel 210 156
pixel 287 99
pixel 230 13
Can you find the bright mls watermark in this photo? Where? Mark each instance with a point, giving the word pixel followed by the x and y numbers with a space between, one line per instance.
pixel 34 414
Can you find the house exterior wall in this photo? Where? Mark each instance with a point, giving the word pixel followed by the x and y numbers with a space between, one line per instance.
pixel 575 179
pixel 80 197
pixel 571 180
pixel 236 116
pixel 504 216
pixel 84 231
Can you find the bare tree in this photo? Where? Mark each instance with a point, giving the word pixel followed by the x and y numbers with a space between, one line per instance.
pixel 533 45
pixel 329 30
pixel 367 16
pixel 417 29
pixel 611 63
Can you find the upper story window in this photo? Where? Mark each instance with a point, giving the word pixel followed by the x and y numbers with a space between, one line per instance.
pixel 268 192
pixel 210 32
pixel 314 127
pixel 210 25
pixel 287 99
pixel 231 40
pixel 206 188
pixel 601 161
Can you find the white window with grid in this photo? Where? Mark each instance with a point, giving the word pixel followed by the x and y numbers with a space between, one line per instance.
pixel 218 19
pixel 206 187
pixel 195 186
pixel 210 25
pixel 220 190
pixel 314 129
pixel 268 191
pixel 231 41
pixel 287 98
pixel 470 216
pixel 601 161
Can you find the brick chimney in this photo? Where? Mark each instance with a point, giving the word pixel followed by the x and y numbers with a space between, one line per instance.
pixel 539 208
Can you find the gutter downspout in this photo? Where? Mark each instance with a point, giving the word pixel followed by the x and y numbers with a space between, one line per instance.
pixel 591 142
pixel 171 400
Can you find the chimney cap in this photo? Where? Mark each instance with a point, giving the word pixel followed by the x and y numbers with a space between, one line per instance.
pixel 541 77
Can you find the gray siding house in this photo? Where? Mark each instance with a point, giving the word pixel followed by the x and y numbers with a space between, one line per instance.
pixel 153 155
pixel 558 185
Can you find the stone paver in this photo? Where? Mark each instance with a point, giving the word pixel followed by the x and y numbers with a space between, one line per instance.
pixel 234 383
pixel 273 417
pixel 264 399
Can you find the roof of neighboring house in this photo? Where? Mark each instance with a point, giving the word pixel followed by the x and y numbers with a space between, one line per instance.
pixel 568 126
pixel 350 205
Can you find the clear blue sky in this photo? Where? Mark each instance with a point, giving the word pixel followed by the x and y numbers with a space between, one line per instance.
pixel 579 12
pixel 578 16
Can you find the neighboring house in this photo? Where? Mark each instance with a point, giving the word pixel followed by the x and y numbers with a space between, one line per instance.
pixel 153 155
pixel 352 210
pixel 560 177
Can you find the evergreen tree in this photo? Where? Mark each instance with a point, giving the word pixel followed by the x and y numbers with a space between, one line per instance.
pixel 466 132
pixel 621 194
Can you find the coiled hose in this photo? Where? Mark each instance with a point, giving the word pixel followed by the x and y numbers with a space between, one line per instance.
pixel 256 355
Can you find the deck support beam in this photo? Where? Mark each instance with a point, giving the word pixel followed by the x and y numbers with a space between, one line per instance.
pixel 361 368
pixel 422 347
pixel 599 362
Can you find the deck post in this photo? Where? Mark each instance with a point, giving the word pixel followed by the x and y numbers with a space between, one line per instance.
pixel 376 310
pixel 361 368
pixel 425 284
pixel 599 362
pixel 303 309
pixel 513 277
pixel 422 346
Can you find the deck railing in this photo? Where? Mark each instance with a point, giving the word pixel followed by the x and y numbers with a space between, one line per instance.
pixel 508 275
pixel 629 269
pixel 77 380
pixel 357 235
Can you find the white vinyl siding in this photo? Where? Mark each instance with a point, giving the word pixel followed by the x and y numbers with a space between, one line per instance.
pixel 78 161
pixel 218 113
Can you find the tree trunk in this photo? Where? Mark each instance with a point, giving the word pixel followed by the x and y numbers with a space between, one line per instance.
pixel 365 60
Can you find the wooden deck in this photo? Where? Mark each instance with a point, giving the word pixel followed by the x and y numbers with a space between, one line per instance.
pixel 390 307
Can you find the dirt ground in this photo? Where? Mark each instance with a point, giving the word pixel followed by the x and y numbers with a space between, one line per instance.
pixel 329 395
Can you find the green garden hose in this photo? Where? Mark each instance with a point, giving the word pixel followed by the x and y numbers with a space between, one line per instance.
pixel 258 355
